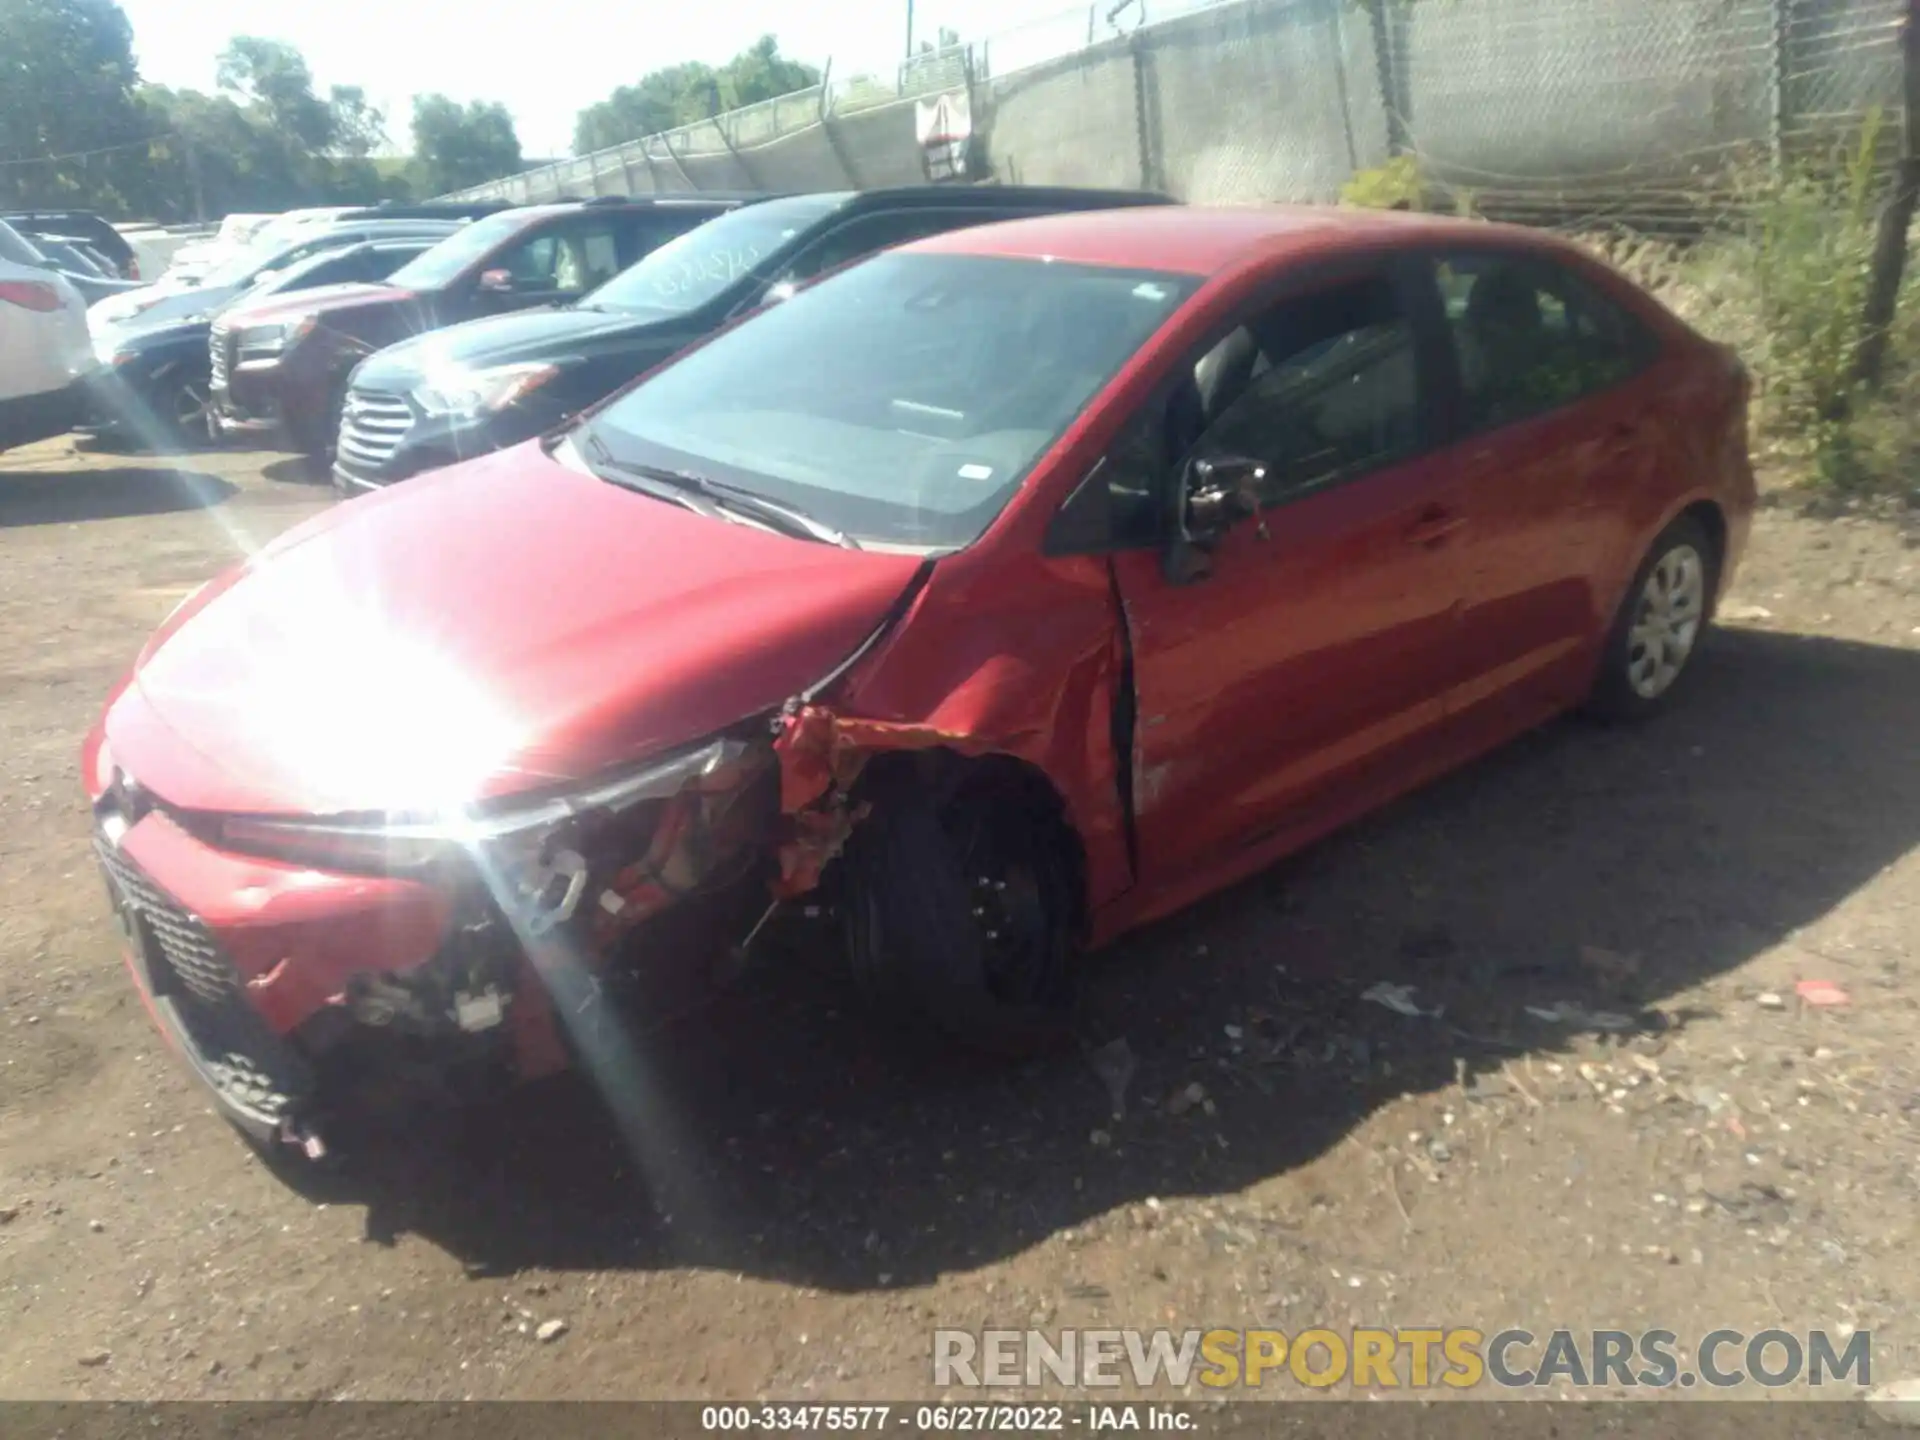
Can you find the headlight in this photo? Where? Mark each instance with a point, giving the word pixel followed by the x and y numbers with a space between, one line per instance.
pixel 468 393
pixel 259 341
pixel 509 844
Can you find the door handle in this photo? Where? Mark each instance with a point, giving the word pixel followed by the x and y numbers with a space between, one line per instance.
pixel 1434 526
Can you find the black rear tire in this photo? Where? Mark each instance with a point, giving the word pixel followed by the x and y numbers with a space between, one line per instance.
pixel 960 915
pixel 1624 690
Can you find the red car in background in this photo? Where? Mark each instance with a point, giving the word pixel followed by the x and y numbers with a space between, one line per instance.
pixel 1018 586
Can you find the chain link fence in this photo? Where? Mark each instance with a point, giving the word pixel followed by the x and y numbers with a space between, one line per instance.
pixel 1632 112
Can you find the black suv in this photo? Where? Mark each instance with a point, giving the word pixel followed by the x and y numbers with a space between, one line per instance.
pixel 492 383
pixel 81 225
pixel 288 359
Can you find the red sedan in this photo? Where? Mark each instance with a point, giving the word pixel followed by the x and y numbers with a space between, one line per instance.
pixel 1014 587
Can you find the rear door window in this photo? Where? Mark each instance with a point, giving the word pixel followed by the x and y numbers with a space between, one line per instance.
pixel 1530 336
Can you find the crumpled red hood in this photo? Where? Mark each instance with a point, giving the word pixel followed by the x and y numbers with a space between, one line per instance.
pixel 495 626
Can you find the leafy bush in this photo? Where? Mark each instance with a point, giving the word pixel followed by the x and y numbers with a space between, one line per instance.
pixel 1396 185
pixel 1785 283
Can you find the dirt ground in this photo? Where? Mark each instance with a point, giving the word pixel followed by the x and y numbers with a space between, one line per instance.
pixel 803 1199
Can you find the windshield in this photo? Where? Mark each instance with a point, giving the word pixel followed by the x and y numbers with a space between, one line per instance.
pixel 901 401
pixel 691 269
pixel 245 267
pixel 448 260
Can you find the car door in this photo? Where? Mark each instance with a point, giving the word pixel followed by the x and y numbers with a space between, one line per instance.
pixel 1315 650
pixel 1552 407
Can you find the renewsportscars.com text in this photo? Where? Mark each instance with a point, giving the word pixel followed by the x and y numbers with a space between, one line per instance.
pixel 1392 1359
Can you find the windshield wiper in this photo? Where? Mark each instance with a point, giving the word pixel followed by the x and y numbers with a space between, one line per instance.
pixel 646 480
pixel 781 516
pixel 722 495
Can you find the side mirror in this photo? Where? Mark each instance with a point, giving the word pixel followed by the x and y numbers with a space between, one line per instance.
pixel 496 282
pixel 1215 495
pixel 1220 493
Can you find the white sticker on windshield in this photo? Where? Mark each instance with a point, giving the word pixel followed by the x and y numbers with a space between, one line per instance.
pixel 976 472
pixel 1147 290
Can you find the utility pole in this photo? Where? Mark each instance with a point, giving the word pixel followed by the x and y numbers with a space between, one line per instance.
pixel 1890 244
pixel 193 176
pixel 909 29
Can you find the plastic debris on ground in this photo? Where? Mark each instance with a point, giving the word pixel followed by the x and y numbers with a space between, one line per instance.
pixel 1399 999
pixel 1565 1012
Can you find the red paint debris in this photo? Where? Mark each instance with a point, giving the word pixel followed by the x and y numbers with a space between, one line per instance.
pixel 1822 993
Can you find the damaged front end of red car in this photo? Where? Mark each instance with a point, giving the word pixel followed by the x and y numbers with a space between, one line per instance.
pixel 376 961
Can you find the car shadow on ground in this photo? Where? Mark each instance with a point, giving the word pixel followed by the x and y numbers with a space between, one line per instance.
pixel 295 470
pixel 781 1134
pixel 56 496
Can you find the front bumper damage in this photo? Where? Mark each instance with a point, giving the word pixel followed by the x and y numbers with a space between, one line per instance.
pixel 296 996
pixel 332 984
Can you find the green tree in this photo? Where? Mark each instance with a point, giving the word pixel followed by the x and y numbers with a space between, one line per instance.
pixel 682 94
pixel 273 77
pixel 457 146
pixel 216 155
pixel 66 87
pixel 358 127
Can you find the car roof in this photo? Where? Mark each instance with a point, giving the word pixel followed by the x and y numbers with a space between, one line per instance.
pixel 691 200
pixel 1198 240
pixel 1065 197
pixel 376 230
pixel 425 210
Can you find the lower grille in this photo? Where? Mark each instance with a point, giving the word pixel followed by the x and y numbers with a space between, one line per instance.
pixel 250 1066
pixel 184 943
pixel 372 425
pixel 217 353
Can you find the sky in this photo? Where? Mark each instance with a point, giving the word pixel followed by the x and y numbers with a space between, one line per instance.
pixel 547 59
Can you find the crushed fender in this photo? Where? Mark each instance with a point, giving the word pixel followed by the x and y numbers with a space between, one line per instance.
pixel 821 755
pixel 699 833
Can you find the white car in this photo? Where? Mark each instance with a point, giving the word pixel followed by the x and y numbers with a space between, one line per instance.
pixel 236 232
pixel 46 353
pixel 154 247
pixel 240 233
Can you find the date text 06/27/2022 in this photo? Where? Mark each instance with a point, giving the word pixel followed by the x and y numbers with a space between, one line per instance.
pixel 950 1418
